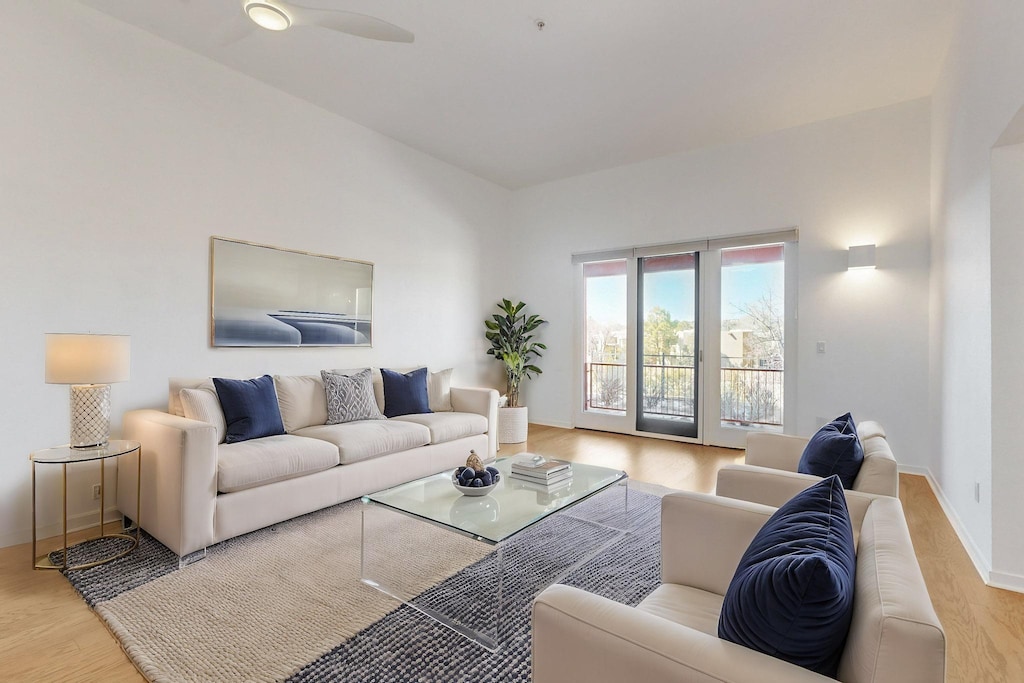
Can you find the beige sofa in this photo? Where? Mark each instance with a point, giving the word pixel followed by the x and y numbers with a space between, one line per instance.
pixel 769 474
pixel 672 635
pixel 197 491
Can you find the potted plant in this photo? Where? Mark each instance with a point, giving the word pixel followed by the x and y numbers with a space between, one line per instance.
pixel 511 337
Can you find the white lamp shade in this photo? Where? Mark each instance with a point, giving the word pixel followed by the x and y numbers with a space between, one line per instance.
pixel 87 358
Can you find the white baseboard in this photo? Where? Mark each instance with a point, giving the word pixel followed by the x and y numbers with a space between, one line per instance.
pixel 1009 582
pixel 84 520
pixel 561 425
pixel 981 564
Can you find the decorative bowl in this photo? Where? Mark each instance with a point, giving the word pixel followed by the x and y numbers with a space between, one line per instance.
pixel 467 511
pixel 473 490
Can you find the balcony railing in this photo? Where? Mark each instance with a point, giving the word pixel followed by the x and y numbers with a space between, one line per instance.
pixel 749 395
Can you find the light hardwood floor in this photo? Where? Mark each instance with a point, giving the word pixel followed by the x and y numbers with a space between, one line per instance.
pixel 48 634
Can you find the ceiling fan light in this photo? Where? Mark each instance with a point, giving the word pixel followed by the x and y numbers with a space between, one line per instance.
pixel 268 16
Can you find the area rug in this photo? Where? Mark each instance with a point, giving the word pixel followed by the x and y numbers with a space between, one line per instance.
pixel 286 603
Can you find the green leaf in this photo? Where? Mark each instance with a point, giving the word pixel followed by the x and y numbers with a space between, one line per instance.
pixel 511 339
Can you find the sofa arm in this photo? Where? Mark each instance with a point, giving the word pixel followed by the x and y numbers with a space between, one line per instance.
pixel 482 402
pixel 778 451
pixel 870 428
pixel 703 538
pixel 579 636
pixel 879 473
pixel 179 478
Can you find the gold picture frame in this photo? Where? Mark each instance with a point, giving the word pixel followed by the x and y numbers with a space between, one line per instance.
pixel 265 296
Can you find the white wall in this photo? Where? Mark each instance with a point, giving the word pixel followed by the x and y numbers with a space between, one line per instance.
pixel 980 91
pixel 855 180
pixel 122 154
pixel 1007 364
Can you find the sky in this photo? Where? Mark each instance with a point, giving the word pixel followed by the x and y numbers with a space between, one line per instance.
pixel 673 291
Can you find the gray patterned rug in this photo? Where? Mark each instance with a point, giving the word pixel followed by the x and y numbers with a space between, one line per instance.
pixel 257 610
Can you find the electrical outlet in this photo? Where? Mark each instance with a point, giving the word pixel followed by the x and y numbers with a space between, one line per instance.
pixel 96 488
pixel 821 347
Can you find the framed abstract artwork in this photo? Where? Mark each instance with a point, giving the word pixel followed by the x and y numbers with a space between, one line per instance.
pixel 268 296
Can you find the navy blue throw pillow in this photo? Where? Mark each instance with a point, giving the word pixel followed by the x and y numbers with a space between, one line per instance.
pixel 405 394
pixel 792 594
pixel 250 408
pixel 834 449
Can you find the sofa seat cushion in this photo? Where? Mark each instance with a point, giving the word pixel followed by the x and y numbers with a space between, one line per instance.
pixel 365 439
pixel 252 463
pixel 445 427
pixel 692 607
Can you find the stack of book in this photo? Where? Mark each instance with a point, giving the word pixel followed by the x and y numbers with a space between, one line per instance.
pixel 537 469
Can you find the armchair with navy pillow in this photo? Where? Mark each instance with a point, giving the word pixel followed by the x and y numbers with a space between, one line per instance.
pixel 755 593
pixel 778 466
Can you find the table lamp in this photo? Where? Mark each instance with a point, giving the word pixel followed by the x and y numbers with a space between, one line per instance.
pixel 89 363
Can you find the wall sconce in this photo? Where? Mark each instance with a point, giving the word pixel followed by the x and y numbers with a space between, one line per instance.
pixel 862 256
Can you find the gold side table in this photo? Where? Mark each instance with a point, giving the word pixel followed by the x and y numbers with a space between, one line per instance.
pixel 66 455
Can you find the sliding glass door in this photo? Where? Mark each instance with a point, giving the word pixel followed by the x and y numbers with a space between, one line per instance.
pixel 746 307
pixel 606 309
pixel 687 341
pixel 668 343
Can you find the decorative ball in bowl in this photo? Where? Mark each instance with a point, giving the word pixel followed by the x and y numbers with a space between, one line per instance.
pixel 471 482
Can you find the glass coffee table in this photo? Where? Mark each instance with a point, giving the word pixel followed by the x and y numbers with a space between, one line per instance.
pixel 410 529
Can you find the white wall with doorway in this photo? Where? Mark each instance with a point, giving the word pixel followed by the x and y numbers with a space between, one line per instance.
pixel 1007 364
pixel 979 93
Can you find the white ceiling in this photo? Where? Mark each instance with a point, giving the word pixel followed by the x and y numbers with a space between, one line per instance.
pixel 605 83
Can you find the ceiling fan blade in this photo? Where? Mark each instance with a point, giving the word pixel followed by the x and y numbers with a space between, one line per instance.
pixel 352 23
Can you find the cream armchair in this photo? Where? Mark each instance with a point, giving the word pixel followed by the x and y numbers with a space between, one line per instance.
pixel 672 635
pixel 769 474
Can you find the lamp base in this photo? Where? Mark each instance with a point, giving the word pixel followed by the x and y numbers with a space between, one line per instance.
pixel 90 415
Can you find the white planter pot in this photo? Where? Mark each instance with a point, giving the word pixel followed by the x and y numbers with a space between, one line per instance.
pixel 512 424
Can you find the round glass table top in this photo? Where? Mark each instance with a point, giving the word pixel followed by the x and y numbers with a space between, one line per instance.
pixel 66 454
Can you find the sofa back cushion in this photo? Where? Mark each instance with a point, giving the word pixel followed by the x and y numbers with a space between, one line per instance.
pixel 792 594
pixel 439 389
pixel 303 400
pixel 895 634
pixel 174 387
pixel 834 449
pixel 250 408
pixel 202 404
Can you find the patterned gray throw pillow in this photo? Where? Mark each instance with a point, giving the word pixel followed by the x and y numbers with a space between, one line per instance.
pixel 350 397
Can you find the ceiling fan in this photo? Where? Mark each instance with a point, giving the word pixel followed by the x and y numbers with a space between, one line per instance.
pixel 276 15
